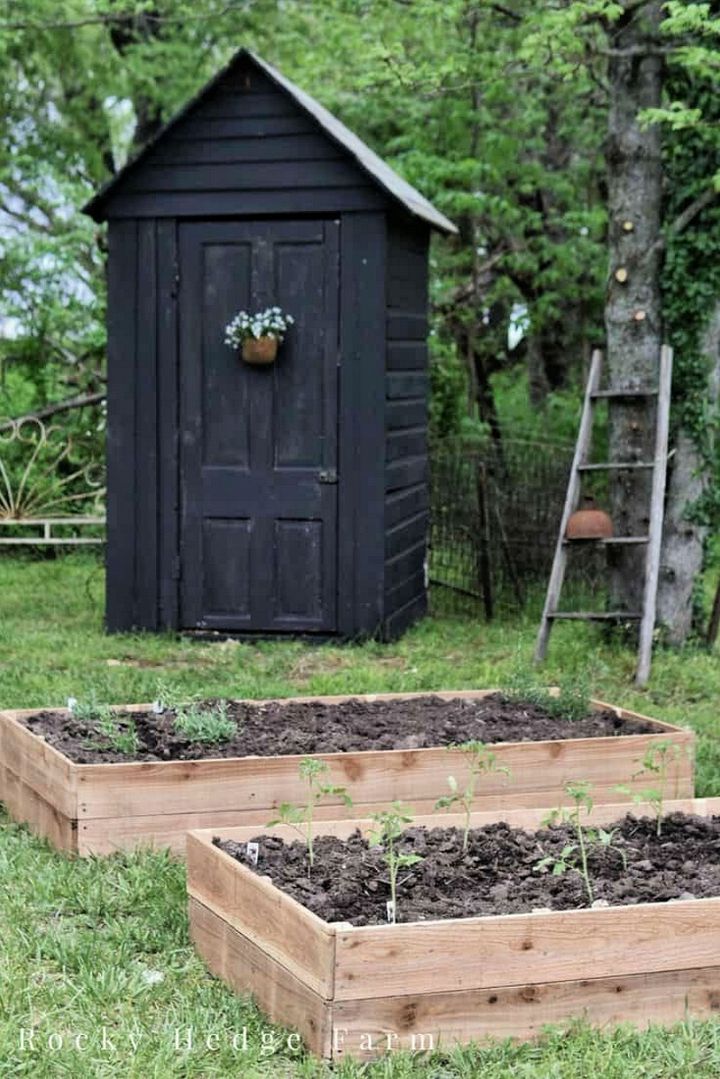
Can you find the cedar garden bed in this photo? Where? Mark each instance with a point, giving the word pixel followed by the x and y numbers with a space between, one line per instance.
pixel 113 801
pixel 361 989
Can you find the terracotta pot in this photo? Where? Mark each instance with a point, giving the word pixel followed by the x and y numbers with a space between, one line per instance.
pixel 589 523
pixel 260 350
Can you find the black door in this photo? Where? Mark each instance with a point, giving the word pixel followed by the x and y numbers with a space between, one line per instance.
pixel 258 457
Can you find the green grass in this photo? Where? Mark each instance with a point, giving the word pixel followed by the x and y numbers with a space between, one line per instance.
pixel 96 943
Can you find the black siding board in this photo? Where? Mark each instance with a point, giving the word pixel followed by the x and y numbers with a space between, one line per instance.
pixel 405 504
pixel 407 389
pixel 406 535
pixel 243 176
pixel 411 442
pixel 407 356
pixel 405 565
pixel 146 410
pixel 122 262
pixel 404 593
pixel 406 326
pixel 406 473
pixel 400 620
pixel 361 425
pixel 240 127
pixel 228 104
pixel 168 420
pixel 245 203
pixel 412 412
pixel 407 384
pixel 273 148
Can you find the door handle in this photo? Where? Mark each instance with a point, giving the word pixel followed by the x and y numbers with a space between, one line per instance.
pixel 328 475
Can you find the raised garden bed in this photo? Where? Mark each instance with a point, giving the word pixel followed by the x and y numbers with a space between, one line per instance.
pixel 105 801
pixel 359 990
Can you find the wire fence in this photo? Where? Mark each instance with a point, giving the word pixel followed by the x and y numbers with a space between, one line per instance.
pixel 495 514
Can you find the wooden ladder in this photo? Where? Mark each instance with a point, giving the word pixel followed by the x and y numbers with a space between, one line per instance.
pixel 652 541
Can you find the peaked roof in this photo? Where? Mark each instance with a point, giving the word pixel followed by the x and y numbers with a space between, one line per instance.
pixel 367 159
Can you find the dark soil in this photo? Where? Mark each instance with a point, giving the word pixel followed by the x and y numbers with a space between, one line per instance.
pixel 349 880
pixel 279 728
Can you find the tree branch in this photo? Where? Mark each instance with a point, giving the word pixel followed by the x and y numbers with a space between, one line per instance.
pixel 53 410
pixel 690 212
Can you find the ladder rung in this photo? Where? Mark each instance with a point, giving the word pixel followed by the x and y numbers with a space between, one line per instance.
pixel 598 616
pixel 610 540
pixel 624 393
pixel 615 466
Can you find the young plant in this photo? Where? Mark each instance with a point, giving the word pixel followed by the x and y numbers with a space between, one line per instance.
pixel 301 817
pixel 481 761
pixel 656 762
pixel 389 829
pixel 204 722
pixel 119 734
pixel 573 856
pixel 570 701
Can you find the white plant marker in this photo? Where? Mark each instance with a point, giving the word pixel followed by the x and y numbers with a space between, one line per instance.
pixel 390 907
pixel 158 708
pixel 72 704
pixel 252 852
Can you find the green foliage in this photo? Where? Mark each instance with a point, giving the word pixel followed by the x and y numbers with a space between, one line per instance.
pixel 656 763
pixel 573 856
pixel 207 723
pixel 312 771
pixel 570 699
pixel 481 761
pixel 390 825
pixel 107 727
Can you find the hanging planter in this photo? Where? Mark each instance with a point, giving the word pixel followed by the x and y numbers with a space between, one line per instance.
pixel 257 336
pixel 260 350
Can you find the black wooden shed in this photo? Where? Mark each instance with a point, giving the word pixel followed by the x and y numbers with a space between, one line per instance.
pixel 291 498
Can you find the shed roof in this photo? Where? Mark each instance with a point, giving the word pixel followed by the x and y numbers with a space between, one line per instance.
pixel 385 177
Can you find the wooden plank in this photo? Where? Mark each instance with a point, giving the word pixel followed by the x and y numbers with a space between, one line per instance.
pixel 582 446
pixel 168 450
pixel 407 356
pixel 247 969
pixel 240 128
pixel 528 818
pixel 401 619
pixel 406 472
pixel 655 530
pixel 120 437
pixel 408 442
pixel 205 149
pixel 37 764
pixel 290 934
pixel 361 425
pixel 246 203
pixel 405 503
pixel 406 326
pixel 145 388
pixel 417 1021
pixel 26 806
pixel 243 176
pixel 411 412
pixel 526 949
pixel 399 384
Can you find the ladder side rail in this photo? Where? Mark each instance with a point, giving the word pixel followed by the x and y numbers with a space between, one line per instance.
pixel 657 507
pixel 582 444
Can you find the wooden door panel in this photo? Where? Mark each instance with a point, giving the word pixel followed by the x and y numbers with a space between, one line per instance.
pixel 227 568
pixel 259 519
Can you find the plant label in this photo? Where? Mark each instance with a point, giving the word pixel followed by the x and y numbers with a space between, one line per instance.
pixel 252 852
pixel 390 907
pixel 158 708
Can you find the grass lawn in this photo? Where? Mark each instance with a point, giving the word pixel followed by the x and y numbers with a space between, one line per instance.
pixel 95 959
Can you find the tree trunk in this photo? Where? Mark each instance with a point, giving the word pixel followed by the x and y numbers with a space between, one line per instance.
pixel 683 540
pixel 633 307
